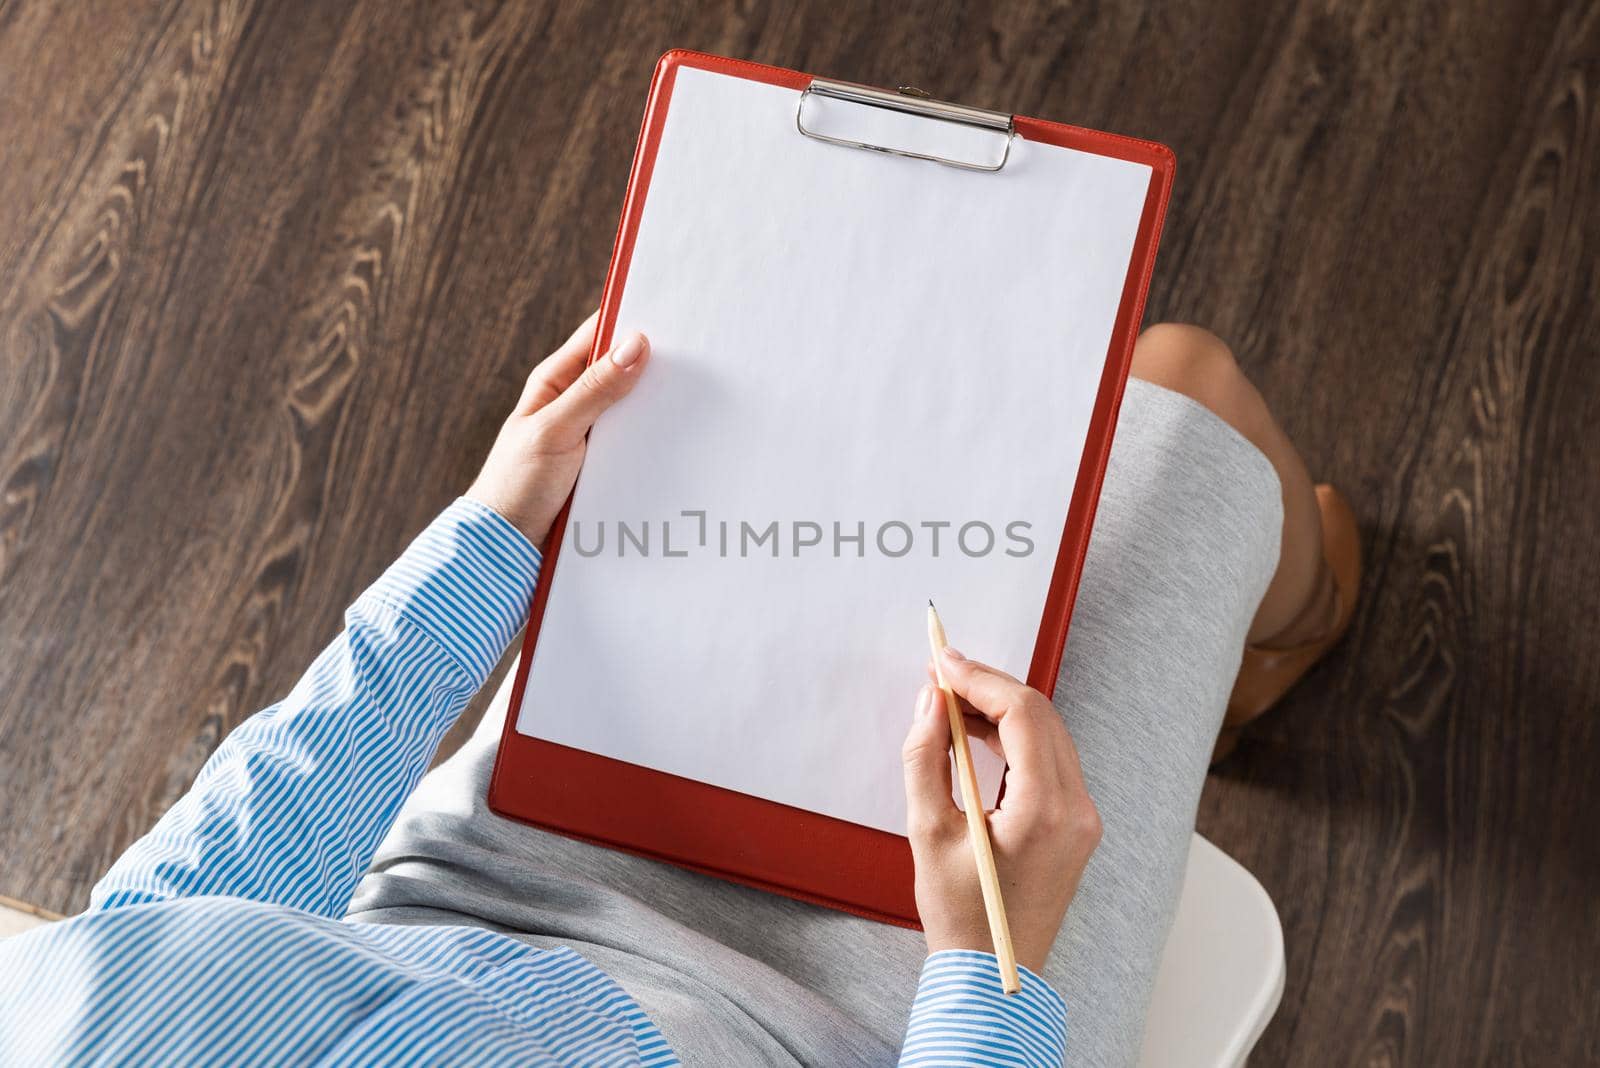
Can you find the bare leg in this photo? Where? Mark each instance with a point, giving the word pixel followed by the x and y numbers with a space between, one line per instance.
pixel 1300 601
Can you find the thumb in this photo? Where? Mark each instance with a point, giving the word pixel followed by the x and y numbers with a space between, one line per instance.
pixel 926 755
pixel 603 383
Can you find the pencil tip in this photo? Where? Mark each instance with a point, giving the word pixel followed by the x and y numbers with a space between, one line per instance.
pixel 930 604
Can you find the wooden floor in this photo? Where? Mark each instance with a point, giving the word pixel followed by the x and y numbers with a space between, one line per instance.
pixel 269 272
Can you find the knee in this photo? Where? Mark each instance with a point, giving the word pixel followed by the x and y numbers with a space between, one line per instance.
pixel 1196 363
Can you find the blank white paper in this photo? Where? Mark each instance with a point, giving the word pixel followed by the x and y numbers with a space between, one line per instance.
pixel 838 336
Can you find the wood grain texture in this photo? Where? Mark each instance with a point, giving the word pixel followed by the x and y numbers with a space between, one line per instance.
pixel 269 273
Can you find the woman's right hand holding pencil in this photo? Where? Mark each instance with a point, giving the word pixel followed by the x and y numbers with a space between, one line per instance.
pixel 1042 834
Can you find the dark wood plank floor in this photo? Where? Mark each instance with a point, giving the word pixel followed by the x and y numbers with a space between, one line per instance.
pixel 270 271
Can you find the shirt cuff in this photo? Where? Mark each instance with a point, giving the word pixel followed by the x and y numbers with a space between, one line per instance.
pixel 961 1013
pixel 466 582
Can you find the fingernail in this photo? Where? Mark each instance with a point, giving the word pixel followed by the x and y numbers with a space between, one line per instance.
pixel 925 700
pixel 952 654
pixel 628 353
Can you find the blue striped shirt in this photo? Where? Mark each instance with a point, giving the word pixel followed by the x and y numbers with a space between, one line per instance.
pixel 218 937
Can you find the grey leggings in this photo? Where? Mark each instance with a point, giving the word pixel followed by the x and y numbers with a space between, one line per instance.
pixel 1184 545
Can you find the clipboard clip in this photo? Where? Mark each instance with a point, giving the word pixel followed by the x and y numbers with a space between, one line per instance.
pixel 909 101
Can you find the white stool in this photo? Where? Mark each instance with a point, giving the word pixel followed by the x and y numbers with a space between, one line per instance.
pixel 1221 975
pixel 17 916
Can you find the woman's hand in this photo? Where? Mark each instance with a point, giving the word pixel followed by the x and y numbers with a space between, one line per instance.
pixel 535 460
pixel 1043 832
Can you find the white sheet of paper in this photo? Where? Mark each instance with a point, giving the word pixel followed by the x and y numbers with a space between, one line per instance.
pixel 838 336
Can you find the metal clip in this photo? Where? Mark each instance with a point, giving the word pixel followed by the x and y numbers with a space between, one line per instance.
pixel 909 101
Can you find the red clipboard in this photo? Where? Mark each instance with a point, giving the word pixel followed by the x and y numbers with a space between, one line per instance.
pixel 736 836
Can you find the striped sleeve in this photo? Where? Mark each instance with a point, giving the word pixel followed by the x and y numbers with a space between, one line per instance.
pixel 292 805
pixel 962 1017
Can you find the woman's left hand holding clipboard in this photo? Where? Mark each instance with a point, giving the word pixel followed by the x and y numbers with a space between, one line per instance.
pixel 534 463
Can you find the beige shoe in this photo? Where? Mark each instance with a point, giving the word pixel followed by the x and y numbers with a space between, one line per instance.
pixel 1266 674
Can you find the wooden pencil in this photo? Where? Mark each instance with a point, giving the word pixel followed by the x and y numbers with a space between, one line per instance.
pixel 977 825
